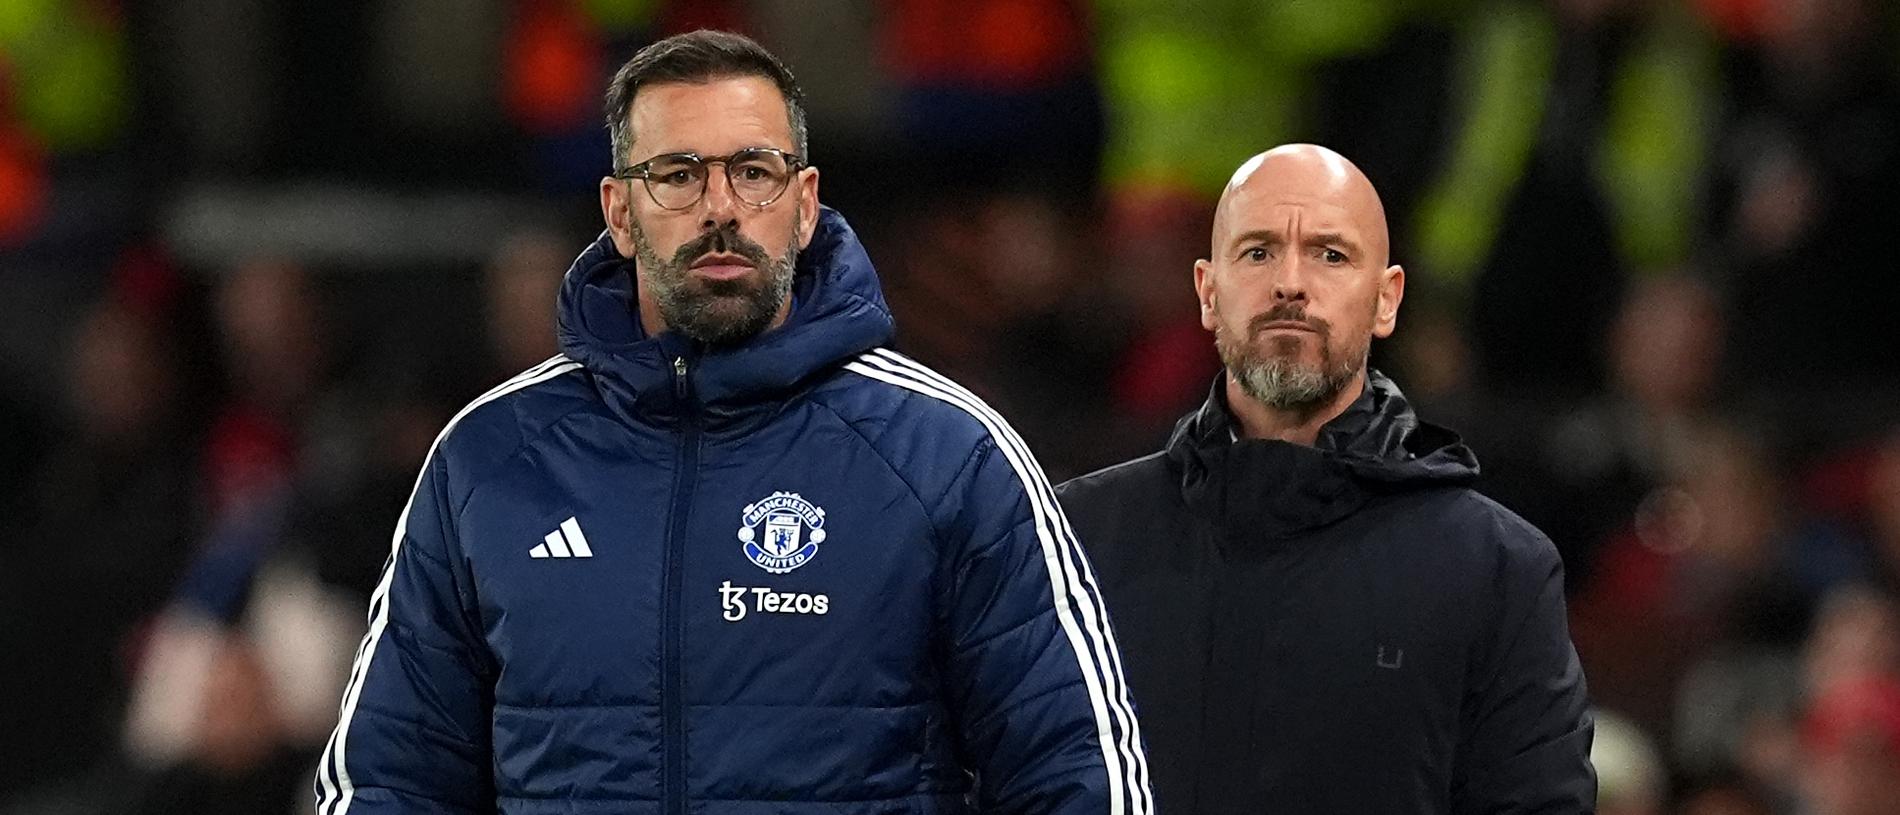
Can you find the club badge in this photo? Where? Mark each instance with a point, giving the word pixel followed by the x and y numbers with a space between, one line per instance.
pixel 774 532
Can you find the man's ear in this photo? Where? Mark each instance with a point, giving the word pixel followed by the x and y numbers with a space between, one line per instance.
pixel 806 188
pixel 1204 291
pixel 1385 315
pixel 615 209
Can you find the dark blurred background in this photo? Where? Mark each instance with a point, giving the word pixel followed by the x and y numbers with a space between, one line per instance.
pixel 254 253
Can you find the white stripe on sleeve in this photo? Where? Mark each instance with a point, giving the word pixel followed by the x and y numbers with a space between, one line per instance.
pixel 1072 588
pixel 333 776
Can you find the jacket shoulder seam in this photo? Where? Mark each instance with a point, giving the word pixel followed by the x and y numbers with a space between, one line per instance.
pixel 528 440
pixel 936 535
pixel 530 433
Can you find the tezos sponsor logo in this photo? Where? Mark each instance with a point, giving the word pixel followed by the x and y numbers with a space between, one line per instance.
pixel 736 601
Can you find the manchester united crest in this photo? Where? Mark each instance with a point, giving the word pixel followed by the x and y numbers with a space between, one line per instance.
pixel 781 532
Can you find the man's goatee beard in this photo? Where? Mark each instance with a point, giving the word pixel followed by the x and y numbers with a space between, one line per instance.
pixel 716 312
pixel 1283 383
pixel 1286 385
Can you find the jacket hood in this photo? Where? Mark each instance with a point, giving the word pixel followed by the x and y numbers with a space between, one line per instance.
pixel 838 311
pixel 1275 489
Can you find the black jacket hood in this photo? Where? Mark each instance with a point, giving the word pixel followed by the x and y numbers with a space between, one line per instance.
pixel 1274 489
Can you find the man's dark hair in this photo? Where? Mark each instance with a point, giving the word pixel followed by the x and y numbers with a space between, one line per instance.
pixel 698 56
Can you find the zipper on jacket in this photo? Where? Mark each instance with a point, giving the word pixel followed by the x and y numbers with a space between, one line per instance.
pixel 672 627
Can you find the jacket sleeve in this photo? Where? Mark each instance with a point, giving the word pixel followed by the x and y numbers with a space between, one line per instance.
pixel 1032 672
pixel 1528 731
pixel 413 734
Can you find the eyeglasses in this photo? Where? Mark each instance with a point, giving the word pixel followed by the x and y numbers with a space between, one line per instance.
pixel 758 176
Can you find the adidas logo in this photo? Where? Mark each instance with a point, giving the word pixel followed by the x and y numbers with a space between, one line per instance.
pixel 564 542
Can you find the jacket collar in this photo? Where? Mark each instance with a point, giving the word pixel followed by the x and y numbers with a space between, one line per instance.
pixel 838 311
pixel 1268 489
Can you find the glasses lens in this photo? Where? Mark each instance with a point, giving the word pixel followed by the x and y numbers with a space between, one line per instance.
pixel 676 181
pixel 758 176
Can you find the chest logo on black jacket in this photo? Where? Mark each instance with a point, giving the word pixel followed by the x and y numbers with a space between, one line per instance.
pixel 783 544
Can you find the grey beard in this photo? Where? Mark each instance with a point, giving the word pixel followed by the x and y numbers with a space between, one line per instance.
pixel 724 312
pixel 1286 385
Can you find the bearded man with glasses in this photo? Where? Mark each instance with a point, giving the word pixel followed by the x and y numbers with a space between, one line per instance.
pixel 727 552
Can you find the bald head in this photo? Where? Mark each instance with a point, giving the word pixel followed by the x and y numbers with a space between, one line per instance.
pixel 1298 282
pixel 1308 177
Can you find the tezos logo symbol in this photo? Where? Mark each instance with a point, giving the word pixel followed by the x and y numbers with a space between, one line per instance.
pixel 783 545
pixel 733 606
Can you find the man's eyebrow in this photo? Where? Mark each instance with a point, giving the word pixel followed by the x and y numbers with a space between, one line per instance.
pixel 1333 239
pixel 1271 236
pixel 1256 236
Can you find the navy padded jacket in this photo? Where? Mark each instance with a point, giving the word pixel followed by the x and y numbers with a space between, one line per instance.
pixel 803 575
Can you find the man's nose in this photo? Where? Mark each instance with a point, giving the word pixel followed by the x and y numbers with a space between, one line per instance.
pixel 721 205
pixel 1289 285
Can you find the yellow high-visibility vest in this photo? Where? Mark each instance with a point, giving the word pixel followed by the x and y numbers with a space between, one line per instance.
pixel 1649 162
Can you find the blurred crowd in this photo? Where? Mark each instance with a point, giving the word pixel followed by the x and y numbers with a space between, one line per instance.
pixel 1647 242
